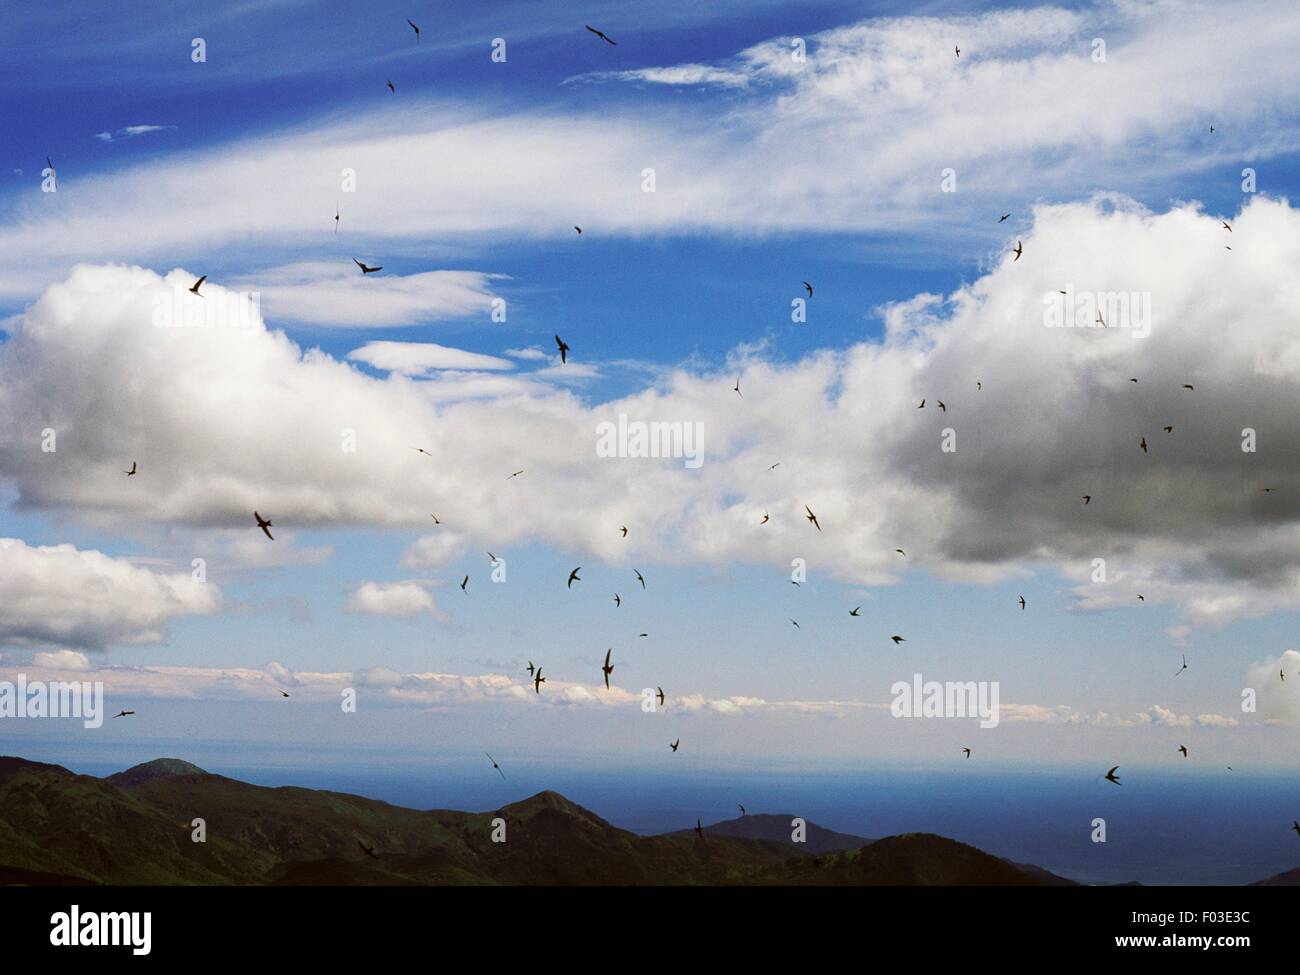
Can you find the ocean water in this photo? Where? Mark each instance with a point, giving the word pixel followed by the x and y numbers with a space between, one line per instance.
pixel 1216 828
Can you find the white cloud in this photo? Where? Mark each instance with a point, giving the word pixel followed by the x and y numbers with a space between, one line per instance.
pixel 420 358
pixel 391 599
pixel 1278 700
pixel 131 132
pixel 59 594
pixel 61 660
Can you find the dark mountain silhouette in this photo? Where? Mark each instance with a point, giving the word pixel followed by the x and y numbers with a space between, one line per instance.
pixel 135 828
pixel 1290 878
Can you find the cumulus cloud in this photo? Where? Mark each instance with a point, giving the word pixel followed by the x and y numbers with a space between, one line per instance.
pixel 420 358
pixel 391 599
pixel 131 132
pixel 1278 700
pixel 62 595
pixel 61 660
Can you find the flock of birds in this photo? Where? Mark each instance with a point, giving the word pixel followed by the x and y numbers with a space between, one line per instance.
pixel 562 347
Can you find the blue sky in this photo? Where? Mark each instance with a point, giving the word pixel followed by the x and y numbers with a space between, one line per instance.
pixel 769 172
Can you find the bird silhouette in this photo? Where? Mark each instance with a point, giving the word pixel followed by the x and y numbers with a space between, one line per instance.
pixel 495 765
pixel 1183 749
pixel 618 600
pixel 601 34
pixel 463 583
pixel 812 517
pixel 897 639
pixel 1022 603
pixel 608 668
pixel 967 751
pixel 366 268
pixel 742 809
pixel 1019 251
pixel 640 578
pixel 391 88
pixel 737 388
pixel 573 577
pixel 1112 777
pixel 124 714
pixel 132 471
pixel 1004 218
pixel 194 289
pixel 414 28
pixel 367 850
pixel 1183 667
pixel 674 745
pixel 265 525
pixel 809 288
pixel 564 350
pixel 538 681
pixel 854 611
pixel 660 695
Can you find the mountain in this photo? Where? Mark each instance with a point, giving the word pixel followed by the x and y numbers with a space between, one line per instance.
pixel 135 827
pixel 778 829
pixel 1290 878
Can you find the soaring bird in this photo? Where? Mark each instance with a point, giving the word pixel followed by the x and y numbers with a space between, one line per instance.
pixel 812 517
pixel 766 518
pixel 1112 777
pixel 132 471
pixel 640 578
pixel 921 405
pixel 775 466
pixel 898 639
pixel 1183 749
pixel 1141 598
pixel 366 268
pixel 435 519
pixel 674 745
pixel 123 714
pixel 618 600
pixel 495 765
pixel 1143 445
pixel 608 668
pixel 967 751
pixel 578 229
pixel 742 809
pixel 1003 218
pixel 901 552
pixel 1295 825
pixel 808 287
pixel 1169 429
pixel 265 525
pixel 660 695
pixel 1087 498
pixel 1019 251
pixel 601 34
pixel 538 681
pixel 796 624
pixel 367 850
pixel 414 28
pixel 463 583
pixel 854 611
pixel 573 577
pixel 939 403
pixel 514 475
pixel 564 349
pixel 198 284
pixel 736 388
pixel 1183 667
pixel 957 49
pixel 531 668
pixel 283 693
pixel 623 530
pixel 336 220
pixel 391 88
pixel 1188 386
pixel 1022 603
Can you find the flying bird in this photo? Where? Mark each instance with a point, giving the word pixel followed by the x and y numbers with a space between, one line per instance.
pixel 391 88
pixel 1226 227
pixel 198 284
pixel 967 751
pixel 538 681
pixel 123 714
pixel 1087 498
pixel 812 517
pixel 901 552
pixel 573 577
pixel 495 765
pixel 1183 749
pixel 1141 598
pixel 618 600
pixel 1169 429
pixel 435 519
pixel 283 693
pixel 775 466
pixel 608 668
pixel 854 611
pixel 624 531
pixel 366 268
pixel 737 388
pixel 639 578
pixel 1004 218
pixel 939 403
pixel 796 624
pixel 808 287
pixel 1183 667
pixel 1112 777
pixel 898 639
pixel 660 696
pixel 265 525
pixel 921 405
pixel 564 349
pixel 674 745
pixel 1295 825
pixel 742 809
pixel 602 35
pixel 132 471
pixel 1022 603
pixel 1188 386
pixel 766 517
pixel 1143 445
pixel 1019 251
pixel 578 229
pixel 514 475
pixel 463 583
pixel 531 668
pixel 336 220
pixel 957 49
pixel 699 830
pixel 414 28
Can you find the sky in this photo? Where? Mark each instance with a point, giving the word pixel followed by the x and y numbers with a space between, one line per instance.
pixel 721 160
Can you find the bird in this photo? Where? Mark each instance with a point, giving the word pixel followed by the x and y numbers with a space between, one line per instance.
pixel 573 577
pixel 602 35
pixel 660 695
pixel 1087 498
pixel 1183 667
pixel 1143 445
pixel 514 475
pixel 640 578
pixel 775 466
pixel 674 745
pixel 421 450
pixel 921 405
pixel 796 624
pixel 742 809
pixel 123 714
pixel 49 165
pixel 564 349
pixel 978 385
pixel 495 765
pixel 1101 321
pixel 391 88
pixel 435 519
pixel 283 693
pixel 367 850
pixel 1268 490
pixel 194 290
pixel 1295 825
pixel 608 668
pixel 967 751
pixel 1226 226
pixel 901 552
pixel 1281 674
pixel 1169 429
pixel 737 388
pixel 336 219
pixel 578 229
pixel 618 600
pixel 1132 380
pixel 1188 386
pixel 809 288
pixel 538 681
pixel 957 49
pixel 766 518
pixel 1141 598
pixel 265 525
pixel 492 558
pixel 531 668
pixel 365 268
pixel 131 472
pixel 1112 777
pixel 939 403
pixel 1019 251
pixel 1211 130
pixel 1183 749
pixel 898 639
pixel 1022 604
pixel 812 517
pixel 623 529
pixel 1003 218
pixel 854 611
pixel 414 28
pixel 463 583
